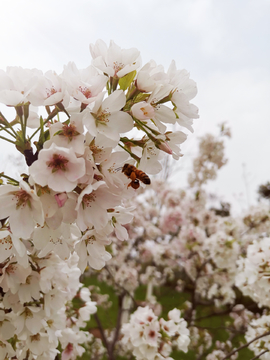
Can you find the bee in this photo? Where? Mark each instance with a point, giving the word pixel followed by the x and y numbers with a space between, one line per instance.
pixel 135 175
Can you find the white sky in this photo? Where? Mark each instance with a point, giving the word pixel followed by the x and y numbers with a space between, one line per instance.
pixel 223 44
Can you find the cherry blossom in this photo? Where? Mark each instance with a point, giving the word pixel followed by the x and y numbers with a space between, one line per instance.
pixel 68 135
pixel 57 167
pixel 106 116
pixel 92 206
pixel 16 84
pixel 114 61
pixel 91 250
pixel 23 207
pixel 83 85
pixel 49 89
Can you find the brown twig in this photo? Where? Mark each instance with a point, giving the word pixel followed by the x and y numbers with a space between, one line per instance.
pixel 103 337
pixel 121 287
pixel 257 357
pixel 246 345
pixel 118 323
pixel 227 311
pixel 194 301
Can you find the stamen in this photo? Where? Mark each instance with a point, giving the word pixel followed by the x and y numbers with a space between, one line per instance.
pixel 88 199
pixel 58 162
pixel 22 198
pixel 86 92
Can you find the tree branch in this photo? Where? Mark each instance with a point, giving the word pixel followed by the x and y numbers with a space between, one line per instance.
pixel 246 345
pixel 121 287
pixel 227 311
pixel 257 357
pixel 118 323
pixel 104 339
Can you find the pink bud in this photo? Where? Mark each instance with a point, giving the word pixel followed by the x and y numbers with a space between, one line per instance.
pixel 61 199
pixel 165 147
pixel 68 352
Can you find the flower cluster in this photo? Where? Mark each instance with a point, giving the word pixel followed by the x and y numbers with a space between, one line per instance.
pixel 210 159
pixel 85 124
pixel 151 338
pixel 253 272
pixel 37 311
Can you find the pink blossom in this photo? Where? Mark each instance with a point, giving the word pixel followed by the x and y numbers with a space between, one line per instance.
pixel 92 206
pixel 114 61
pixel 57 167
pixel 23 207
pixel 106 117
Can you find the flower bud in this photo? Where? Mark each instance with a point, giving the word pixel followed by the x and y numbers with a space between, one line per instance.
pixel 164 147
pixel 61 199
pixel 143 111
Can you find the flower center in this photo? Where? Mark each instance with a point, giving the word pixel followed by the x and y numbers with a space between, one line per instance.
pixel 90 240
pixel 22 198
pixel 57 162
pixel 102 118
pixel 96 149
pixel 11 268
pixel 51 91
pixel 35 337
pixel 69 131
pixel 6 242
pixel 85 91
pixel 117 67
pixel 88 199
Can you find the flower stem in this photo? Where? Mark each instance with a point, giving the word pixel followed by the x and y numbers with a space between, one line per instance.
pixel 12 142
pixel 5 122
pixel 38 129
pixel 144 127
pixel 9 178
pixel 9 132
pixel 130 153
pixel 19 111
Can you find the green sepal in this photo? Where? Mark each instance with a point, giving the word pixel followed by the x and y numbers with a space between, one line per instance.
pixel 125 81
pixel 108 87
pixel 141 97
pixel 59 132
pixel 43 136
pixel 165 99
pixel 42 190
pixel 26 112
pixel 20 143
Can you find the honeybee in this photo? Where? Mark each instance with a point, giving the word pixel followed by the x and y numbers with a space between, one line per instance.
pixel 135 175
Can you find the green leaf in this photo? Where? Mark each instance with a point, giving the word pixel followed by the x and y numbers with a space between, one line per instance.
pixel 126 80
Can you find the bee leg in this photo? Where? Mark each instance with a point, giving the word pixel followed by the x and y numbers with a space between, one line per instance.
pixel 133 176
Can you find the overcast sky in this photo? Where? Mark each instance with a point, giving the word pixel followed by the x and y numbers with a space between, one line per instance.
pixel 223 44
